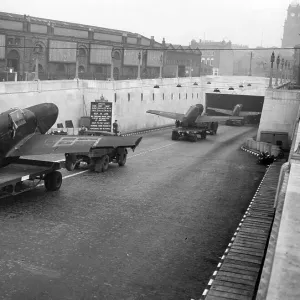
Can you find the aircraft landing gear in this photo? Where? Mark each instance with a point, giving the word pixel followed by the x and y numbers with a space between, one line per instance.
pixel 203 135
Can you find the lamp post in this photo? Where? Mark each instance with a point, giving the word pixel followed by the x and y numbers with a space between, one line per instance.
pixel 139 66
pixel 36 73
pixel 285 67
pixel 282 64
pixel 271 70
pixel 289 71
pixel 160 66
pixel 76 67
pixel 277 63
pixel 112 65
pixel 250 71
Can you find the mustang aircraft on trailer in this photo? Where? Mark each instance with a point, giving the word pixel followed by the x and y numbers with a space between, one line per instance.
pixel 193 123
pixel 237 111
pixel 22 133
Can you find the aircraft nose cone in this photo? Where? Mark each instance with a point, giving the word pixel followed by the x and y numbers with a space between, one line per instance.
pixel 46 115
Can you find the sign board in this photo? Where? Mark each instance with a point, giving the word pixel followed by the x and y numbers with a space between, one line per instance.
pixel 100 54
pixel 131 57
pixel 101 115
pixel 154 58
pixel 60 51
pixel 2 46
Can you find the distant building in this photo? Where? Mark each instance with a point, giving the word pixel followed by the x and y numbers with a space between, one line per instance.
pixel 292 26
pixel 218 55
pixel 57 47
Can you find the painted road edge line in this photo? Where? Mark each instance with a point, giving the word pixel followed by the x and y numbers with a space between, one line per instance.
pixel 213 277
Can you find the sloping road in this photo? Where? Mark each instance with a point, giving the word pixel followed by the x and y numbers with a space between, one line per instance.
pixel 154 229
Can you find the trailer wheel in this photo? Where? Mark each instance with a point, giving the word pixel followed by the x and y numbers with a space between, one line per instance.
pixel 105 163
pixel 53 181
pixel 122 158
pixel 193 138
pixel 175 135
pixel 203 135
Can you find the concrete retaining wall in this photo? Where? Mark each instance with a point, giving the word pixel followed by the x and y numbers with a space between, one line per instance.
pixel 73 97
pixel 279 111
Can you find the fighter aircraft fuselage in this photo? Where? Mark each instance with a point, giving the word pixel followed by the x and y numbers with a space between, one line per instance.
pixel 191 115
pixel 17 125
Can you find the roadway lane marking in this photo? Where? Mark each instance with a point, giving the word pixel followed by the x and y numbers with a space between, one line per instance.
pixel 144 152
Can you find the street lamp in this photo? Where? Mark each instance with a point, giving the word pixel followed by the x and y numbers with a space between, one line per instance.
pixel 160 66
pixel 112 64
pixel 285 66
pixel 277 63
pixel 139 65
pixel 271 71
pixel 76 67
pixel 282 64
pixel 36 73
pixel 289 71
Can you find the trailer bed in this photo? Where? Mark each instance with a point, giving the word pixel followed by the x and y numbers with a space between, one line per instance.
pixel 15 174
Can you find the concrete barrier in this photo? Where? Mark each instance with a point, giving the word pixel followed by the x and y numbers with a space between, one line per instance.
pixel 251 144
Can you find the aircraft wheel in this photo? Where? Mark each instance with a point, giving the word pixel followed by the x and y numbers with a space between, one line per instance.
pixel 53 181
pixel 122 158
pixel 175 135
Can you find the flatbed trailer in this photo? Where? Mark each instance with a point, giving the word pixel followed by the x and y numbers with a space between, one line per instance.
pixel 97 159
pixel 192 133
pixel 25 174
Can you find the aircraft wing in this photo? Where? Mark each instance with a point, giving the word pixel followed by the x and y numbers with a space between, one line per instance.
pixel 249 113
pixel 39 144
pixel 220 110
pixel 170 115
pixel 203 119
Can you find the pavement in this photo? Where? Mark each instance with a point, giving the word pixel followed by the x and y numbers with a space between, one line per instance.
pixel 154 229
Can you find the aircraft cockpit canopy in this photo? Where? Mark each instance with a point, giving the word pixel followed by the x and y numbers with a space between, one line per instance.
pixel 17 117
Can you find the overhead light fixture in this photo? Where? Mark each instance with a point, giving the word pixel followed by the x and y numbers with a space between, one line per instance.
pixel 231 88
pixel 249 84
pixel 208 82
pixel 195 83
pixel 217 90
pixel 156 86
pixel 178 85
pixel 241 86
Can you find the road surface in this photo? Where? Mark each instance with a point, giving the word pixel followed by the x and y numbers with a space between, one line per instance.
pixel 154 229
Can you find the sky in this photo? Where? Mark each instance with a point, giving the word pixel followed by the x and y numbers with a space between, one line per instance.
pixel 247 22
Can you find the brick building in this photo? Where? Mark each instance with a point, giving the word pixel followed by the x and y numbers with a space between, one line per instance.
pixel 218 55
pixel 59 47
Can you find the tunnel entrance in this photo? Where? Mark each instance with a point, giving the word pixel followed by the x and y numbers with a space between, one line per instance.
pixel 229 101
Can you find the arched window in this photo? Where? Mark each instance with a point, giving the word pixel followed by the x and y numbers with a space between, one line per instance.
pixel 82 51
pixel 38 48
pixel 117 55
